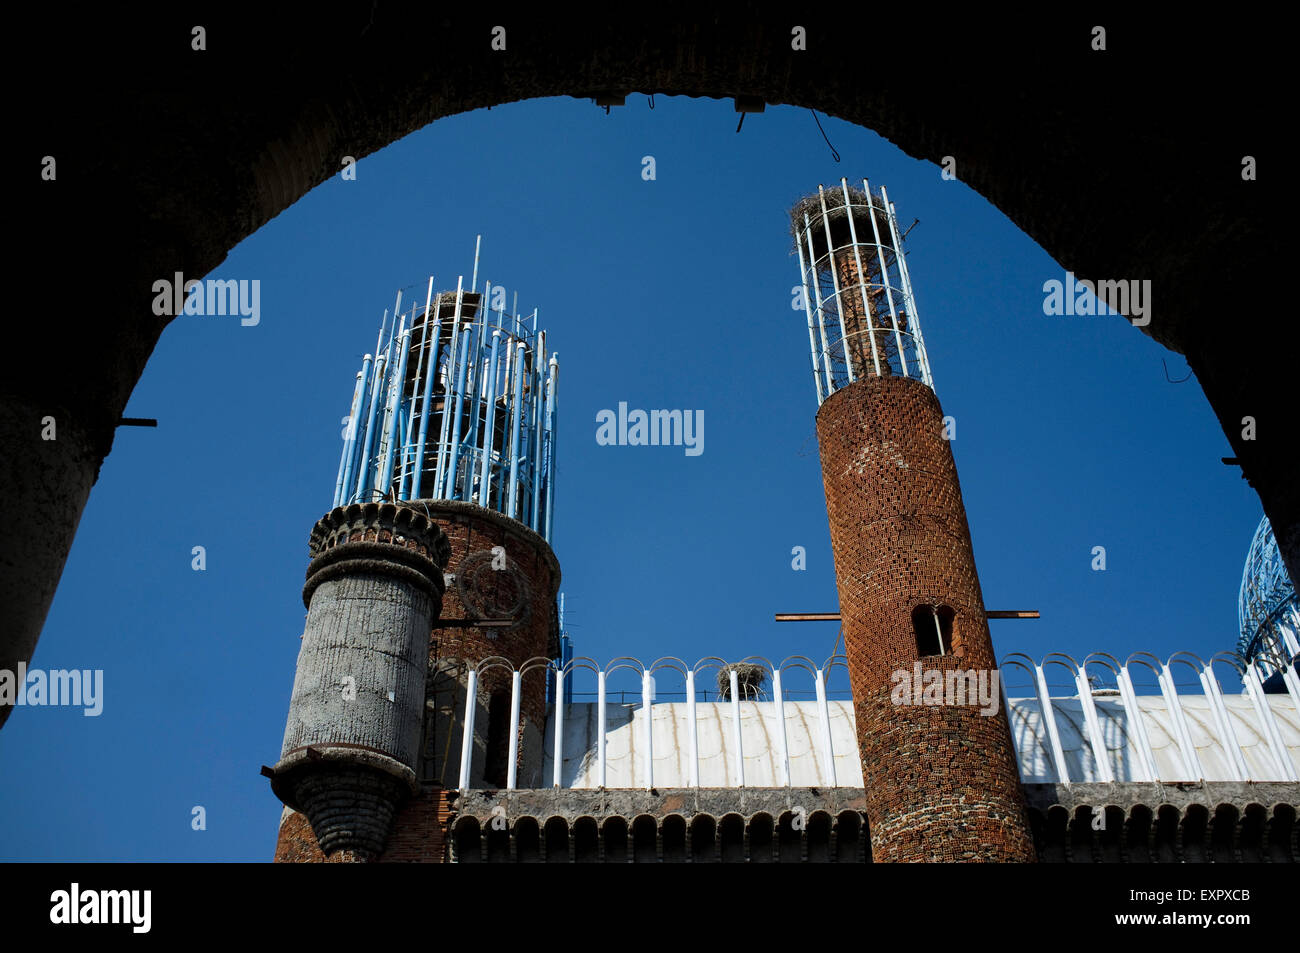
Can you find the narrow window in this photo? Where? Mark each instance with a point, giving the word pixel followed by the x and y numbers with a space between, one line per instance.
pixel 932 626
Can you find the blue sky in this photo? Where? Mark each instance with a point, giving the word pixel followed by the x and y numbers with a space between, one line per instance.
pixel 671 293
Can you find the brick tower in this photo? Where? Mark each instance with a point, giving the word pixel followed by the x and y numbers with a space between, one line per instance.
pixel 941 779
pixel 453 424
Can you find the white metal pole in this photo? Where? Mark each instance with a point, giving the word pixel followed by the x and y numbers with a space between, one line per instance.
pixel 783 750
pixel 828 750
pixel 648 757
pixel 1049 717
pixel 884 272
pixel 1095 739
pixel 514 730
pixel 735 722
pixel 835 282
pixel 467 740
pixel 692 738
pixel 1137 728
pixel 862 278
pixel 558 761
pixel 821 310
pixel 600 726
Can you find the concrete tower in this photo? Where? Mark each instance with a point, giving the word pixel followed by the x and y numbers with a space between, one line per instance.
pixel 453 420
pixel 941 779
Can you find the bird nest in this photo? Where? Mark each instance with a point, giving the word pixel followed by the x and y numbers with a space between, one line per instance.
pixel 837 217
pixel 749 679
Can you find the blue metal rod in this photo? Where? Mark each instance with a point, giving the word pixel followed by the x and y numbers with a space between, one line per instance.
pixel 551 408
pixel 350 437
pixel 490 428
pixel 430 373
pixel 363 463
pixel 473 385
pixel 535 467
pixel 449 493
pixel 514 430
pixel 395 404
pixel 439 474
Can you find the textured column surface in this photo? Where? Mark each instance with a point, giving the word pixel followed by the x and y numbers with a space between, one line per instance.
pixel 941 780
pixel 351 744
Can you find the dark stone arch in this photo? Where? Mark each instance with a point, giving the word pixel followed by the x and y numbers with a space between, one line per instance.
pixel 819 838
pixel 469 841
pixel 848 838
pixel 556 837
pixel 703 839
pixel 790 838
pixel 645 840
pixel 1254 822
pixel 1196 827
pixel 1223 834
pixel 760 838
pixel 673 837
pixel 1055 836
pixel 1137 835
pixel 498 843
pixel 1165 846
pixel 248 138
pixel 1281 834
pixel 586 841
pixel 731 838
pixel 528 841
pixel 614 834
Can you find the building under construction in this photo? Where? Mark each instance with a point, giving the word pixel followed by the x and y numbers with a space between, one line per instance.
pixel 434 716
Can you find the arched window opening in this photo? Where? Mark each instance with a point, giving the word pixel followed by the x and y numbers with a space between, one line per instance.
pixel 932 626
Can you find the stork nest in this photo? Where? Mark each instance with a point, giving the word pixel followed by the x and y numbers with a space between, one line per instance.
pixel 838 218
pixel 749 679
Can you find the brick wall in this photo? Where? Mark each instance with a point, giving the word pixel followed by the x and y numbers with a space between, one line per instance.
pixel 941 781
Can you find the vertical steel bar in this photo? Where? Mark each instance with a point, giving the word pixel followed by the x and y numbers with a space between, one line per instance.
pixel 395 403
pixel 430 374
pixel 914 320
pixel 824 709
pixel 821 308
pixel 600 728
pixel 467 740
pixel 692 735
pixel 364 468
pixel 739 758
pixel 862 277
pixel 1095 739
pixel 513 766
pixel 1137 727
pixel 439 478
pixel 558 760
pixel 647 701
pixel 884 274
pixel 1049 718
pixel 835 282
pixel 812 338
pixel 490 427
pixel 1191 763
pixel 551 432
pixel 350 434
pixel 514 430
pixel 782 746
pixel 449 492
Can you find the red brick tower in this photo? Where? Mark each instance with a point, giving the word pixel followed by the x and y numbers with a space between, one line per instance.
pixel 941 778
pixel 453 426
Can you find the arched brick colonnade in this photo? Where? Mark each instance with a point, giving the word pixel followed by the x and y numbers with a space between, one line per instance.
pixel 1120 165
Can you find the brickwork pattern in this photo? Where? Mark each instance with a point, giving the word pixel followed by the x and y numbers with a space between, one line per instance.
pixel 941 781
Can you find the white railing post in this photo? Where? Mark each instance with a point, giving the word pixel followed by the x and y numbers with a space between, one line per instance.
pixel 692 737
pixel 649 738
pixel 467 741
pixel 783 750
pixel 600 727
pixel 1104 773
pixel 558 761
pixel 828 749
pixel 1049 718
pixel 514 731
pixel 735 721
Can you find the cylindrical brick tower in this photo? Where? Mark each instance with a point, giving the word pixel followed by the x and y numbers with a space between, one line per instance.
pixel 453 418
pixel 351 745
pixel 939 769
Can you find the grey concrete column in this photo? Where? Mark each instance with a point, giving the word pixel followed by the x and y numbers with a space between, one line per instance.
pixel 351 744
